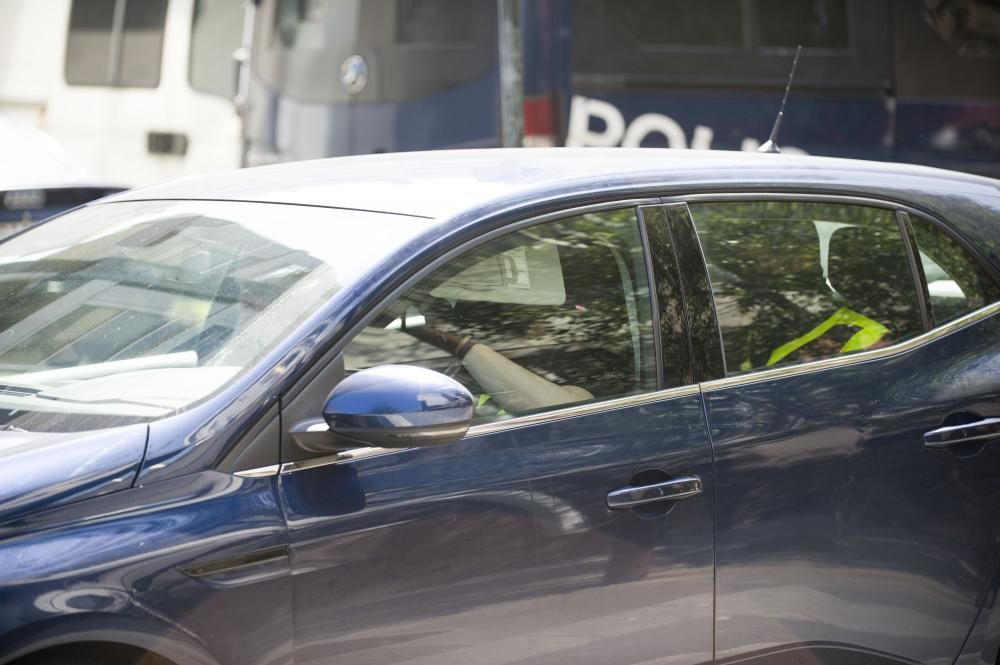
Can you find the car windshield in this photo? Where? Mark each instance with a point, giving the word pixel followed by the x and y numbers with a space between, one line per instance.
pixel 126 312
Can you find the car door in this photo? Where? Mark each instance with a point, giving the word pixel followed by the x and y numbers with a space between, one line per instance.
pixel 856 520
pixel 503 547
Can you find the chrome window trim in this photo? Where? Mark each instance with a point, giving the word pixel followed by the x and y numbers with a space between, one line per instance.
pixel 259 472
pixel 833 362
pixel 337 458
pixel 802 197
pixel 613 404
pixel 519 422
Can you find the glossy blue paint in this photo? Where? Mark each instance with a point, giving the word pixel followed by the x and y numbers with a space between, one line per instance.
pixel 398 404
pixel 43 471
pixel 836 524
pixel 502 547
pixel 125 567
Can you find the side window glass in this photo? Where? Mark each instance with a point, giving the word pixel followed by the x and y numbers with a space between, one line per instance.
pixel 956 284
pixel 551 315
pixel 797 281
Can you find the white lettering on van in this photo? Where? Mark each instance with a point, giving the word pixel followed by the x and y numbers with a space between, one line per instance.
pixel 581 110
pixel 616 132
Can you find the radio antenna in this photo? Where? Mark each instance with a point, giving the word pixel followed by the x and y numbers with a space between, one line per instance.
pixel 771 144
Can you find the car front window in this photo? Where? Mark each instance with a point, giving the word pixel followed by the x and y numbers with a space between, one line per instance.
pixel 551 315
pixel 129 311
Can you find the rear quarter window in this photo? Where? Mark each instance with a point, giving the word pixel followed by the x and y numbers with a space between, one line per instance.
pixel 956 282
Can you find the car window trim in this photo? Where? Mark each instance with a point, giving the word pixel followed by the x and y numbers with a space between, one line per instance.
pixel 832 362
pixel 910 243
pixel 919 263
pixel 708 358
pixel 651 283
pixel 671 322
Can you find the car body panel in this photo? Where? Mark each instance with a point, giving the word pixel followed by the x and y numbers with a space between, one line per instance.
pixel 168 561
pixel 836 524
pixel 43 471
pixel 501 547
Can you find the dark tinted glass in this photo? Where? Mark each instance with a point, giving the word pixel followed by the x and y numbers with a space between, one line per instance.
pixel 548 316
pixel 88 44
pixel 423 21
pixel 956 283
pixel 93 39
pixel 664 22
pixel 947 50
pixel 736 44
pixel 718 23
pixel 811 23
pixel 795 282
pixel 142 43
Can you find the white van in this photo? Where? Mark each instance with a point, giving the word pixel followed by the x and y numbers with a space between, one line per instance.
pixel 136 91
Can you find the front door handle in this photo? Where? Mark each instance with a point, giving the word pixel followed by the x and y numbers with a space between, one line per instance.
pixel 675 489
pixel 981 430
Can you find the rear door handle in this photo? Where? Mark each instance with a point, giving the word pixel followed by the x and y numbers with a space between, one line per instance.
pixel 981 430
pixel 675 489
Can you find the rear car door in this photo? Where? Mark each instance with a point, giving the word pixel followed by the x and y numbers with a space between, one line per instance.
pixel 856 474
pixel 504 547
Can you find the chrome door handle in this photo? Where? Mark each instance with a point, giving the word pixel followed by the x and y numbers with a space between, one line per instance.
pixel 981 430
pixel 675 489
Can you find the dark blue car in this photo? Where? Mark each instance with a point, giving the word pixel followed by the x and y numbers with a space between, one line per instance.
pixel 538 407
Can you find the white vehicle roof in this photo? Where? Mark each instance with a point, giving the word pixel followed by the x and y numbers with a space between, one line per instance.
pixel 441 184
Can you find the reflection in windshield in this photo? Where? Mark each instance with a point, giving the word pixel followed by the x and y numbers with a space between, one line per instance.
pixel 131 311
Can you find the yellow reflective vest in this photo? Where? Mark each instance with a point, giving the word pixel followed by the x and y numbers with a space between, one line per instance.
pixel 870 332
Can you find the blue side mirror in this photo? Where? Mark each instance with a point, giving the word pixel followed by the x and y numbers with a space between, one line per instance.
pixel 399 406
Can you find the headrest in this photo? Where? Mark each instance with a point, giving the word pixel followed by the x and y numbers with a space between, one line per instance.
pixel 869 268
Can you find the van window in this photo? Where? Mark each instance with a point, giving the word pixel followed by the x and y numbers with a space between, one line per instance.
pixel 748 44
pixel 115 42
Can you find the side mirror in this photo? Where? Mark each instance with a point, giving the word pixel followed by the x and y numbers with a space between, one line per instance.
pixel 399 406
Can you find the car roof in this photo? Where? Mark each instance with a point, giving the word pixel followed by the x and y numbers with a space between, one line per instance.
pixel 443 184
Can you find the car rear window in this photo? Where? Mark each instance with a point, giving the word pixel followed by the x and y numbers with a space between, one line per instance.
pixel 800 281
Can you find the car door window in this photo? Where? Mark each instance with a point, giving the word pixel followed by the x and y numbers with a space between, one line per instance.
pixel 799 281
pixel 550 315
pixel 956 283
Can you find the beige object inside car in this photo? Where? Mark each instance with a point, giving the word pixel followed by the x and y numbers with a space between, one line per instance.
pixel 515 388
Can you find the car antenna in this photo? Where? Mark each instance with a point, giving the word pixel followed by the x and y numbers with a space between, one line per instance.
pixel 771 144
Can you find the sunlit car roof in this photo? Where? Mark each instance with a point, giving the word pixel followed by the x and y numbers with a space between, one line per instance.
pixel 441 184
